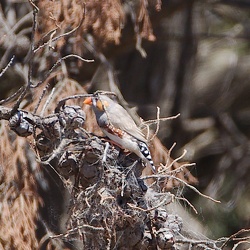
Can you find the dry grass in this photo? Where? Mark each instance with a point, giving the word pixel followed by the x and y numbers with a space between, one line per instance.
pixel 19 198
pixel 102 20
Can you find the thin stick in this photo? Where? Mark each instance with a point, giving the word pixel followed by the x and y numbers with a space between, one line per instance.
pixel 183 182
pixel 22 95
pixel 157 124
pixel 75 229
pixel 180 168
pixel 57 63
pixel 62 102
pixel 50 40
pixel 239 243
pixel 173 162
pixel 169 153
pixel 40 98
pixel 12 96
pixel 188 202
pixel 7 66
pixel 234 235
pixel 149 122
pixel 195 189
pixel 47 102
pixel 104 158
pixel 33 5
pixel 58 37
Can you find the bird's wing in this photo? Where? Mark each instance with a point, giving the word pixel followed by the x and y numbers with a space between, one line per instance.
pixel 121 119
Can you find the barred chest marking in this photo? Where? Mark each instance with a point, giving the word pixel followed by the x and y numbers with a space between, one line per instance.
pixel 116 131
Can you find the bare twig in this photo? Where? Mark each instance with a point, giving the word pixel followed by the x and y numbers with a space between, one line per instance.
pixel 232 237
pixel 40 98
pixel 137 32
pixel 104 158
pixel 33 5
pixel 56 152
pixel 179 169
pixel 155 121
pixel 50 40
pixel 158 176
pixel 44 36
pixel 47 102
pixel 241 242
pixel 102 92
pixel 58 37
pixel 166 167
pixel 136 207
pixel 157 124
pixel 59 61
pixel 187 201
pixel 195 189
pixel 62 101
pixel 76 56
pixel 8 99
pixel 7 66
pixel 169 153
pixel 22 95
pixel 71 231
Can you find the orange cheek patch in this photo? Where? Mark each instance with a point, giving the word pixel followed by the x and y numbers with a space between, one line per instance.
pixel 101 105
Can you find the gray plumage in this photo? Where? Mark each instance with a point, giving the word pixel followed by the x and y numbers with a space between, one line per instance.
pixel 117 116
pixel 118 125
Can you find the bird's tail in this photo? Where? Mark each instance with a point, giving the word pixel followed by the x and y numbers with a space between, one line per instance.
pixel 147 155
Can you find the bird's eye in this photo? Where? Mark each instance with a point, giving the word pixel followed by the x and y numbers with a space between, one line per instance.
pixel 101 105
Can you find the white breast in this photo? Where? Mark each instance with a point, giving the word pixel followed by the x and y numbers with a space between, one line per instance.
pixel 126 142
pixel 130 143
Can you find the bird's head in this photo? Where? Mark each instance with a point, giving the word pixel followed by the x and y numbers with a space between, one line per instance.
pixel 98 103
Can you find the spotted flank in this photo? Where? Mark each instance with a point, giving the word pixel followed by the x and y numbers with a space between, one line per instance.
pixel 115 131
pixel 146 153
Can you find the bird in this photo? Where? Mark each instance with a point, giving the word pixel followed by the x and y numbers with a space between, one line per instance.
pixel 119 127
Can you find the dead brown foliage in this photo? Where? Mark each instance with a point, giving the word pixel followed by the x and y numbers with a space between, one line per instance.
pixel 104 20
pixel 19 198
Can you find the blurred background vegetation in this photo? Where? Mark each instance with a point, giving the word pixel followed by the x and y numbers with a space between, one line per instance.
pixel 188 57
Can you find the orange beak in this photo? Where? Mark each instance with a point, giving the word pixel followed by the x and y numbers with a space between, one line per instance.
pixel 88 101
